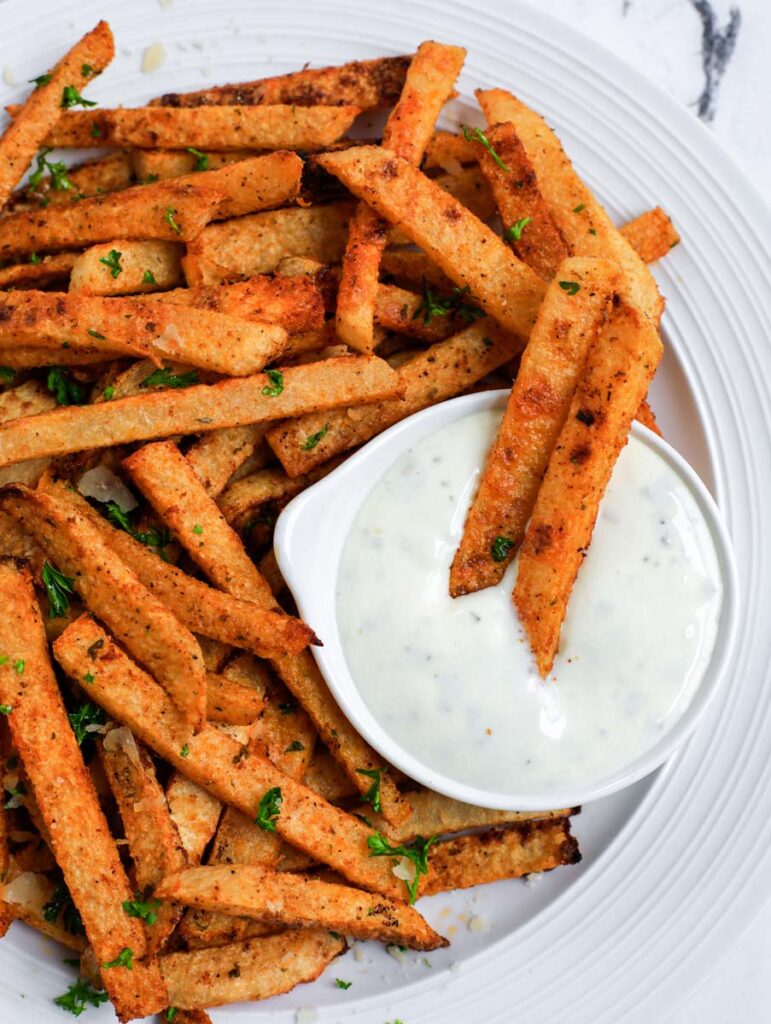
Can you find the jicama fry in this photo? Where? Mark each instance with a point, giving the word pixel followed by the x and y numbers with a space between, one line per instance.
pixel 412 269
pixel 249 185
pixel 92 178
pixel 528 225
pixel 153 841
pixel 325 777
pixel 244 497
pixel 620 365
pixel 174 213
pixel 428 84
pixel 215 457
pixel 573 311
pixel 195 812
pixel 448 151
pixel 368 84
pixel 79 835
pixel 230 702
pixel 200 607
pixel 28 399
pixel 444 370
pixel 647 417
pixel 405 312
pixel 250 970
pixel 42 108
pixel 469 187
pixel 324 384
pixel 295 900
pixel 26 894
pixel 580 218
pixel 113 592
pixel 125 326
pixel 142 267
pixel 651 235
pixel 233 773
pixel 47 270
pixel 277 126
pixel 527 848
pixel 465 248
pixel 161 164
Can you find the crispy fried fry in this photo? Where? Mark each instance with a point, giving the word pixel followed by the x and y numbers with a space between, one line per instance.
pixel 447 150
pixel 295 900
pixel 249 185
pixel 242 499
pixel 215 457
pixel 231 702
pixel 647 417
pixel 27 399
pixel 27 893
pixel 195 812
pixel 42 108
pixel 620 365
pixel 453 237
pixel 162 164
pixel 325 776
pixel 537 407
pixel 652 234
pixel 92 178
pixel 114 593
pixel 78 832
pixel 143 267
pixel 403 312
pixel 33 275
pixel 413 269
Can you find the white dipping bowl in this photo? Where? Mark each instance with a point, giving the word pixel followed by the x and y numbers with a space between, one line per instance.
pixel 310 536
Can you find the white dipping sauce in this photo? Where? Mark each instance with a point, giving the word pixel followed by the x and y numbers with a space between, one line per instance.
pixel 454 681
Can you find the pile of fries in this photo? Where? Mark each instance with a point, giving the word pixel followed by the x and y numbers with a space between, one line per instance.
pixel 194 328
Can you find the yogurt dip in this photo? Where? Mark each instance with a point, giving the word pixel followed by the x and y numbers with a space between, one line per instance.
pixel 453 681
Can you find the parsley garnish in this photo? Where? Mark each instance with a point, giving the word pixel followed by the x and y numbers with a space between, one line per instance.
pixel 89 677
pixel 65 390
pixel 198 528
pixel 91 330
pixel 58 586
pixel 79 997
pixel 84 718
pixel 201 159
pixel 112 260
pixel 312 440
pixel 372 796
pixel 164 378
pixel 269 809
pixel 171 1013
pixel 343 984
pixel 169 218
pixel 144 910
pixel 185 751
pixel 61 904
pixel 294 747
pixel 58 171
pixel 7 373
pixel 86 70
pixel 276 385
pixel 124 959
pixel 500 548
pixel 514 233
pixel 35 258
pixel 148 277
pixel 96 131
pixel 477 135
pixel 19 666
pixel 108 392
pixel 571 287
pixel 432 306
pixel 42 80
pixel 416 851
pixel 151 538
pixel 14 797
pixel 5 709
pixel 580 208
pixel 72 98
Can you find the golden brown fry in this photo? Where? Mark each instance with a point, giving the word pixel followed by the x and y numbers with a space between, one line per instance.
pixel 524 849
pixel 405 313
pixel 368 84
pixel 42 108
pixel 32 275
pixel 469 186
pixel 652 234
pixel 92 178
pixel 125 326
pixel 231 702
pixel 448 151
pixel 412 269
pixel 580 218
pixel 295 900
pixel 26 893
pixel 215 457
pixel 250 970
pixel 143 267
pixel 249 185
pixel 28 399
pixel 620 365
pixel 153 840
pixel 428 84
pixel 528 225
pixel 162 164
pixel 325 777
pixel 113 592
pixel 174 213
pixel 79 835
pixel 233 773
pixel 465 248
pixel 195 813
pixel 242 499
pixel 444 370
pixel 647 417
pixel 539 402
pixel 320 385
pixel 278 126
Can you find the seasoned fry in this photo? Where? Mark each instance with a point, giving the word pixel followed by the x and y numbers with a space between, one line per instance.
pixel 113 592
pixel 368 84
pixel 235 774
pixel 92 178
pixel 28 399
pixel 428 84
pixel 326 777
pixel 161 164
pixel 249 185
pixel 174 213
pixel 79 835
pixel 26 893
pixel 647 417
pixel 153 841
pixel 404 312
pixel 620 365
pixel 230 702
pixel 524 849
pixel 446 230
pixel 143 267
pixel 195 813
pixel 444 370
pixel 536 410
pixel 652 234
pixel 413 269
pixel 32 275
pixel 320 385
pixel 527 222
pixel 580 218
pixel 42 108
pixel 469 187
pixel 278 126
pixel 244 497
pixel 448 151
pixel 295 900
pixel 254 969
pixel 123 326
pixel 215 457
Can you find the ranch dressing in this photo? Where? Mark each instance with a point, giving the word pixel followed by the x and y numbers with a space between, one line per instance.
pixel 453 681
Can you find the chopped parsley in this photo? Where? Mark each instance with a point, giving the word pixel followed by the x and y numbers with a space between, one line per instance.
pixel 168 216
pixel 146 911
pixel 58 171
pixel 108 392
pixel 415 851
pixel 198 529
pixel 87 70
pixel 477 135
pixel 35 258
pixel 580 208
pixel 312 440
pixel 152 538
pixel 294 747
pixel 170 1014
pixel 201 159
pixel 343 984
pixel 112 262
pixel 58 586
pixel 89 677
pixel 124 959
pixel 276 384
pixel 7 373
pixel 14 796
pixel 571 287
pixel 96 131
pixel 148 277
pixel 454 304
pixel 185 751
pixel 65 390
pixel 72 98
pixel 79 996
pixel 500 548
pixel 5 709
pixel 61 905
pixel 372 796
pixel 163 377
pixel 92 330
pixel 19 666
pixel 269 809
pixel 42 80
pixel 514 233
pixel 87 719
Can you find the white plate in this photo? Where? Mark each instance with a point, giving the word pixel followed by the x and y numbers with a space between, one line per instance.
pixel 675 866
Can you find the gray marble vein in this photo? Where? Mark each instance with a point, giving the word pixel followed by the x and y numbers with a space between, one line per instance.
pixel 717 48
